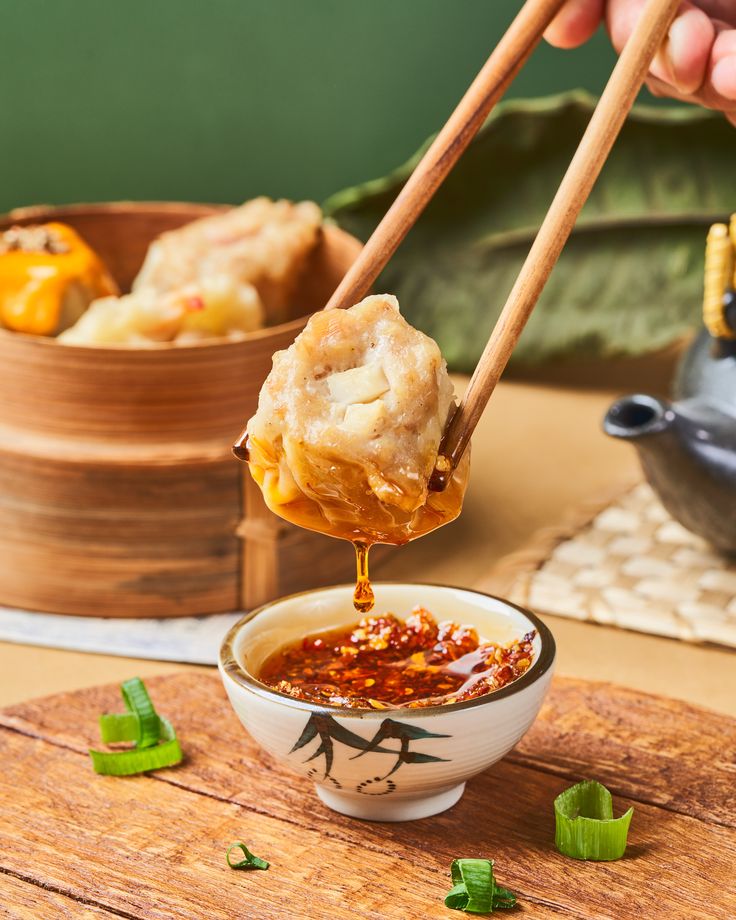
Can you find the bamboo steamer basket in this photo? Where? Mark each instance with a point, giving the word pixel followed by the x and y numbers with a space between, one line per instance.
pixel 119 494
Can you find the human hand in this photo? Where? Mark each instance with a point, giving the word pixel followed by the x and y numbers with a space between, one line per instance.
pixel 697 61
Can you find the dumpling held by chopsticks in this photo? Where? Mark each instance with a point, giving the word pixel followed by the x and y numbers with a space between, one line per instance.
pixel 348 427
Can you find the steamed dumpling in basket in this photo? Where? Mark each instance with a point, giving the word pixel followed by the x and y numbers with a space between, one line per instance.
pixel 48 278
pixel 218 277
pixel 263 243
pixel 348 427
pixel 216 309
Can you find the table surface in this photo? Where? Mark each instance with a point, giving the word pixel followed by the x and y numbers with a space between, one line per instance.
pixel 538 452
pixel 152 848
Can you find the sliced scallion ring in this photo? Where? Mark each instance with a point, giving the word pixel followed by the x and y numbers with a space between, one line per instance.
pixel 503 898
pixel 474 889
pixel 156 745
pixel 140 760
pixel 119 726
pixel 584 824
pixel 249 861
pixel 457 897
pixel 138 701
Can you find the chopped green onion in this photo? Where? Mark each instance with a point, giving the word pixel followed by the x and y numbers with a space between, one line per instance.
pixel 504 898
pixel 140 760
pixel 476 877
pixel 138 701
pixel 155 740
pixel 457 897
pixel 119 726
pixel 584 824
pixel 474 888
pixel 249 862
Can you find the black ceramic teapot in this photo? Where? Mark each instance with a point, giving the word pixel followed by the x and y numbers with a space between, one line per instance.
pixel 687 447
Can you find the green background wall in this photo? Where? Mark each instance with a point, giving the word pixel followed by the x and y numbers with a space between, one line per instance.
pixel 219 100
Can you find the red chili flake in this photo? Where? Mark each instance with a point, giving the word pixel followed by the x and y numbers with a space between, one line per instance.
pixel 411 664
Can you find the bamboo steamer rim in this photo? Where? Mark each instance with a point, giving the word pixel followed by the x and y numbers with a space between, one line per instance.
pixel 46 212
pixel 293 326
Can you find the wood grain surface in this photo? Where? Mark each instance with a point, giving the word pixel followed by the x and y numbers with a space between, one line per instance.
pixel 78 845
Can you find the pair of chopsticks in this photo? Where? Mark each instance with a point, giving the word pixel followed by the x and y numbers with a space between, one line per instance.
pixel 499 70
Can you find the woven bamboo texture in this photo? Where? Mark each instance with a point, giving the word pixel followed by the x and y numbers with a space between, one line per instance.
pixel 627 564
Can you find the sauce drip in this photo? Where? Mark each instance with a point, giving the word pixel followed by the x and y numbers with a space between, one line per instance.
pixel 383 662
pixel 372 522
pixel 363 597
pixel 333 514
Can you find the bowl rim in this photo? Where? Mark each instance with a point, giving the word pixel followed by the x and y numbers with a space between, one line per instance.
pixel 230 668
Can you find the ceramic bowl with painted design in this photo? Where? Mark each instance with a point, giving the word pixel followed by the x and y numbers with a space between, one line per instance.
pixel 394 764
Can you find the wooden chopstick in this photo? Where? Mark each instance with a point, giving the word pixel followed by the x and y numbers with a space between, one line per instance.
pixel 497 73
pixel 606 122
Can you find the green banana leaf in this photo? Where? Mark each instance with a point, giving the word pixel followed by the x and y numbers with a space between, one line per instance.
pixel 630 278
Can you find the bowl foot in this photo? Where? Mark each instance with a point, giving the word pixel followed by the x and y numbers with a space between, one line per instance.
pixel 389 807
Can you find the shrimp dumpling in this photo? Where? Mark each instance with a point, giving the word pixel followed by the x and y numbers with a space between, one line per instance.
pixel 349 424
pixel 218 308
pixel 263 243
pixel 219 277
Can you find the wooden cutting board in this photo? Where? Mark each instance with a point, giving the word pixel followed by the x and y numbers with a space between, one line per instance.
pixel 73 844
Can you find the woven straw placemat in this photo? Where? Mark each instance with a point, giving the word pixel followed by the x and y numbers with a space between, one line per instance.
pixel 626 564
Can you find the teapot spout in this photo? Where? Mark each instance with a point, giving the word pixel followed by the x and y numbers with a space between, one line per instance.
pixel 688 453
pixel 639 416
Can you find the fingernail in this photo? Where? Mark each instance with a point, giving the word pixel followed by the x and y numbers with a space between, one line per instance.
pixel 723 76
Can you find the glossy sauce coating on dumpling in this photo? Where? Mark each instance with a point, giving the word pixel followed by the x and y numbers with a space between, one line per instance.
pixel 348 426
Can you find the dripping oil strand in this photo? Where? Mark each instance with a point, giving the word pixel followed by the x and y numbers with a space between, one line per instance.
pixel 363 597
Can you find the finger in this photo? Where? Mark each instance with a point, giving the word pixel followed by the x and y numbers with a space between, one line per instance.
pixel 725 44
pixel 575 23
pixel 705 97
pixel 688 48
pixel 663 90
pixel 719 89
pixel 621 19
pixel 654 88
pixel 723 76
pixel 682 60
pixel 731 116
